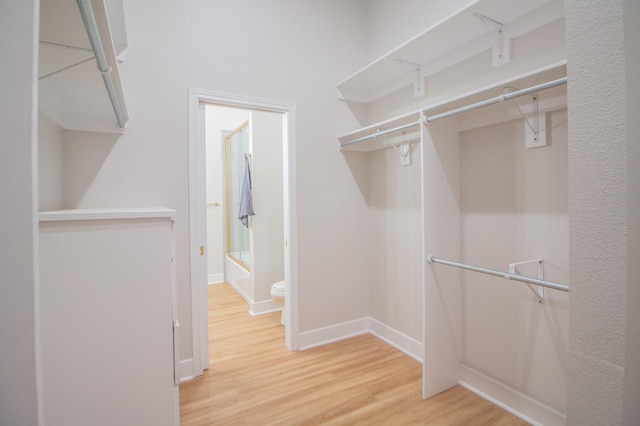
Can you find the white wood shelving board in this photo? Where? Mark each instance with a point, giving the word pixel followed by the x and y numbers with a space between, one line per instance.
pixel 106 214
pixel 531 78
pixel 446 43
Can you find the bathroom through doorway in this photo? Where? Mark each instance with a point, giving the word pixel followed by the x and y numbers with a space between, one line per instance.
pixel 244 180
pixel 229 137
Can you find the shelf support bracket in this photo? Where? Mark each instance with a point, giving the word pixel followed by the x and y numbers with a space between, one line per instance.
pixel 66 68
pixel 537 290
pixel 501 49
pixel 535 136
pixel 418 85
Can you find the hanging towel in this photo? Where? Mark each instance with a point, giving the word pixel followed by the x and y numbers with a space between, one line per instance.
pixel 246 198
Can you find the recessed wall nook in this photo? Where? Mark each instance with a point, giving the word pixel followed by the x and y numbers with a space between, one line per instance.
pixel 469 213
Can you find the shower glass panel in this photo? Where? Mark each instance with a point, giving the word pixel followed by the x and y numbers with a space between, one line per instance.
pixel 236 147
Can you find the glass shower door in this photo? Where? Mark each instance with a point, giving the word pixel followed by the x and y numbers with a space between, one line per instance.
pixel 238 241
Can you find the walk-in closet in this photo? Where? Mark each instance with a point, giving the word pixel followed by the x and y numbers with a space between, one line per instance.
pixel 465 146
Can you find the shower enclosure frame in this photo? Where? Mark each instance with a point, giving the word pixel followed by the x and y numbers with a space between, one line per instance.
pixel 228 140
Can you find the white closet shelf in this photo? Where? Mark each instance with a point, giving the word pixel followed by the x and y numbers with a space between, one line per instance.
pixel 385 141
pixel 446 43
pixel 106 214
pixel 531 78
pixel 72 92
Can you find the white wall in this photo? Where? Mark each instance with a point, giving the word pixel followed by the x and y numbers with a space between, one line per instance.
pixel 49 164
pixel 68 163
pixel 176 46
pixel 395 241
pixel 602 48
pixel 217 120
pixel 267 226
pixel 391 23
pixel 19 354
pixel 84 156
pixel 514 206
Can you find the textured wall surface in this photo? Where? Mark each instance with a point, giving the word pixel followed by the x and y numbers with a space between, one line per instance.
pixel 601 108
pixel 631 408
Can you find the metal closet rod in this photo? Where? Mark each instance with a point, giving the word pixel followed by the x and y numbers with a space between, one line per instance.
pixel 497 99
pixel 382 133
pixel 507 275
pixel 494 100
pixel 89 20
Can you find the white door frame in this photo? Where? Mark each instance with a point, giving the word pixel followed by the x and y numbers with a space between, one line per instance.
pixel 197 215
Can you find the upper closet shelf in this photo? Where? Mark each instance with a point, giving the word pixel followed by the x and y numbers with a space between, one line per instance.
pixel 405 128
pixel 483 25
pixel 79 81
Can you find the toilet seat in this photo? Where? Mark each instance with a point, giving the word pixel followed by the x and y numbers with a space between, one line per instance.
pixel 277 289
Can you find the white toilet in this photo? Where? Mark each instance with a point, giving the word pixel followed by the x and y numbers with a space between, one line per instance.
pixel 277 294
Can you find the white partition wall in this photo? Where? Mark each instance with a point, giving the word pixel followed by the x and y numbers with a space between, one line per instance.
pixel 107 318
pixel 442 297
pixel 19 375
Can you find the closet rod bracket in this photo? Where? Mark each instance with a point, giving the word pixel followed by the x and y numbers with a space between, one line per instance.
pixel 404 149
pixel 538 291
pixel 501 48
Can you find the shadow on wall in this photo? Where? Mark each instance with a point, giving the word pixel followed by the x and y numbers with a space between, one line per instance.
pixel 84 155
pixel 358 164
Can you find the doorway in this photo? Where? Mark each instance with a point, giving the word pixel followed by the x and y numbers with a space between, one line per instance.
pixel 198 102
pixel 244 176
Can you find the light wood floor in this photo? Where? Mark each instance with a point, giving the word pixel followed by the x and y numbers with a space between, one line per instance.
pixel 254 380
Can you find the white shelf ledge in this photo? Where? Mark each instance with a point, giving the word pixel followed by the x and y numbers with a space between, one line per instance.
pixel 531 78
pixel 106 214
pixel 446 43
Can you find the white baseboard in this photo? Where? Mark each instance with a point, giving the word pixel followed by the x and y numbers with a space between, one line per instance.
pixel 257 308
pixel 215 279
pixel 334 333
pixel 515 402
pixel 323 336
pixel 264 307
pixel 398 340
pixel 239 291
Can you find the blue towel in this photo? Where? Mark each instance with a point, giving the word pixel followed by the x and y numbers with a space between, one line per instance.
pixel 246 198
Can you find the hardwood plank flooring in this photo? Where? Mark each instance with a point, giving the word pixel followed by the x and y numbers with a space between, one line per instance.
pixel 254 380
